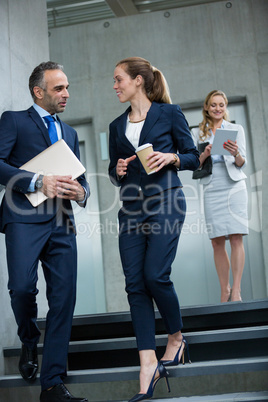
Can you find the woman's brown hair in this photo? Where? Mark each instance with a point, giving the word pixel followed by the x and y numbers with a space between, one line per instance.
pixel 155 84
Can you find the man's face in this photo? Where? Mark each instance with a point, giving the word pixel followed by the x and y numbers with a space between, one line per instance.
pixel 54 97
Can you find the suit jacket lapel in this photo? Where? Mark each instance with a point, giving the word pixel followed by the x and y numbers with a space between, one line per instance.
pixel 121 128
pixel 152 116
pixel 39 122
pixel 227 124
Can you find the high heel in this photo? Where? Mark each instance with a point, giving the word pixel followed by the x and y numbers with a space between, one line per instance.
pixel 162 374
pixel 176 360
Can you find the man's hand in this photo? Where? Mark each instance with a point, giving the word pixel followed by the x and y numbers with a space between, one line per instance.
pixel 63 187
pixel 50 186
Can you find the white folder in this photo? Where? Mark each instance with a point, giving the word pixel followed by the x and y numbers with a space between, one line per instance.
pixel 58 159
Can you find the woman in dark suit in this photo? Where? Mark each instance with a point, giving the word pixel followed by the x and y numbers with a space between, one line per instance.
pixel 153 211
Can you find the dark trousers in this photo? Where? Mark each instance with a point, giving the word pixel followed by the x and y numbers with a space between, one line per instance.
pixel 55 246
pixel 149 230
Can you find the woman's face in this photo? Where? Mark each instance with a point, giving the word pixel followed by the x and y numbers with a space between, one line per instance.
pixel 216 107
pixel 124 85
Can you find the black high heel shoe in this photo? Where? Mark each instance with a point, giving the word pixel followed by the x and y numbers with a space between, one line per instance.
pixel 162 374
pixel 176 360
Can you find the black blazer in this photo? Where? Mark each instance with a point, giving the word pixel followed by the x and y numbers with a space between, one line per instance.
pixel 167 130
pixel 23 135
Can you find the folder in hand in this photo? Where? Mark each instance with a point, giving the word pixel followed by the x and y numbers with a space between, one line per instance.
pixel 59 160
pixel 222 135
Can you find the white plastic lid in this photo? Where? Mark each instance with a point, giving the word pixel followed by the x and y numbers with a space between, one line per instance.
pixel 143 147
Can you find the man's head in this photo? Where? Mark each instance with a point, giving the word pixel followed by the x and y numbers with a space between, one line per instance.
pixel 49 87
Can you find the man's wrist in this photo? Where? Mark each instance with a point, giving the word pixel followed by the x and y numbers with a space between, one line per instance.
pixel 39 182
pixel 85 196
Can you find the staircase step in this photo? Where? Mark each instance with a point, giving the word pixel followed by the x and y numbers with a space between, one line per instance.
pixel 195 318
pixel 241 396
pixel 132 373
pixel 204 378
pixel 228 347
pixel 203 346
pixel 122 352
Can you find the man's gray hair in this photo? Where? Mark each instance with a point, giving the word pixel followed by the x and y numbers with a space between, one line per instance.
pixel 37 77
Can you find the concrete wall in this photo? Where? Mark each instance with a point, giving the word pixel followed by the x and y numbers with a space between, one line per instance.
pixel 198 48
pixel 23 44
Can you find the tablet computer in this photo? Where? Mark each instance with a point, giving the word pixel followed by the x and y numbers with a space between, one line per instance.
pixel 222 135
pixel 58 159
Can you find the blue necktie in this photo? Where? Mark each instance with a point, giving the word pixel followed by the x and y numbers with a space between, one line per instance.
pixel 52 131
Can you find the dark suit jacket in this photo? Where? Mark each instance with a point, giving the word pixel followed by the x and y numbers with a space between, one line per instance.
pixel 23 135
pixel 167 130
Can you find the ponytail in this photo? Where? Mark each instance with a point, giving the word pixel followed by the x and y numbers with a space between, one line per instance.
pixel 160 89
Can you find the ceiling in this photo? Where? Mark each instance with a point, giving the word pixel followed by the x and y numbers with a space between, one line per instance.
pixel 69 12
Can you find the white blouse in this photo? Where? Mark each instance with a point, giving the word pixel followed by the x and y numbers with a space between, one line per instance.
pixel 133 132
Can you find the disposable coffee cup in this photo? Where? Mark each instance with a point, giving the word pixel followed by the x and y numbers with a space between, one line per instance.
pixel 143 151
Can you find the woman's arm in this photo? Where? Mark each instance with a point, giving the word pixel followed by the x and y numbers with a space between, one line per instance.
pixel 187 157
pixel 238 148
pixel 187 152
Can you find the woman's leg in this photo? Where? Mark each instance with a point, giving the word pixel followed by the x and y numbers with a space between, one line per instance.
pixel 148 363
pixel 159 257
pixel 237 264
pixel 222 264
pixel 162 245
pixel 173 345
pixel 132 247
pixel 147 250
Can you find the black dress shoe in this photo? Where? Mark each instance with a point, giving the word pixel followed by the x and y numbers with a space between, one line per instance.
pixel 28 364
pixel 59 393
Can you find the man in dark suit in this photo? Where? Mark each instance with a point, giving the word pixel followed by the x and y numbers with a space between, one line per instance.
pixel 45 233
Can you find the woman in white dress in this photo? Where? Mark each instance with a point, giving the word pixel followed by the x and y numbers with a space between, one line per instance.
pixel 225 194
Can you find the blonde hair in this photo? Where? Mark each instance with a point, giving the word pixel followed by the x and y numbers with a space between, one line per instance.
pixel 155 84
pixel 207 123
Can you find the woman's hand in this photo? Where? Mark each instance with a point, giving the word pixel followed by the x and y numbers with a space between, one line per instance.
pixel 205 154
pixel 160 159
pixel 231 147
pixel 122 164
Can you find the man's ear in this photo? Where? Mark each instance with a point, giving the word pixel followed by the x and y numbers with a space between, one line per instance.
pixel 38 92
